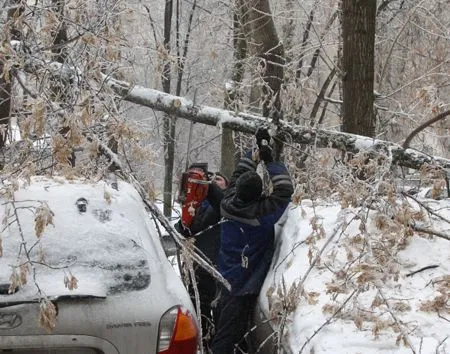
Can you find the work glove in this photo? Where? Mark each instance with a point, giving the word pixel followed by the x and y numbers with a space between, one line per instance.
pixel 265 153
pixel 262 137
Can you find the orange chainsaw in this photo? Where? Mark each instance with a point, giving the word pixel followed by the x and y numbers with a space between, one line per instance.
pixel 193 191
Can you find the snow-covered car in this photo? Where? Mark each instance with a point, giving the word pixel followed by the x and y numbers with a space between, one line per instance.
pixel 82 270
pixel 357 279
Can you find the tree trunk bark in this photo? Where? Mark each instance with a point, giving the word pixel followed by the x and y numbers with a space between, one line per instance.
pixel 5 104
pixel 169 121
pixel 358 21
pixel 61 88
pixel 232 91
pixel 263 41
pixel 5 80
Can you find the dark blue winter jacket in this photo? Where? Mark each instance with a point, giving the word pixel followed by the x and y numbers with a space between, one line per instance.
pixel 247 235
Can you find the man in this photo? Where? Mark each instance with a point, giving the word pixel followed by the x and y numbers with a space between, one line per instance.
pixel 205 228
pixel 247 237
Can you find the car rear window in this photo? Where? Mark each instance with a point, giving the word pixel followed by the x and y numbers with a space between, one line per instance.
pixel 93 240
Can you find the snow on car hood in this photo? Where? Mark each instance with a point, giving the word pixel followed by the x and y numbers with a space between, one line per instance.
pixel 100 244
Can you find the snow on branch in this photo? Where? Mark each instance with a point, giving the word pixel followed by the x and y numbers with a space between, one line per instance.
pixel 248 123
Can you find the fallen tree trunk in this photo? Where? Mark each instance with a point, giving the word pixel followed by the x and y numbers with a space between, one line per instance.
pixel 248 123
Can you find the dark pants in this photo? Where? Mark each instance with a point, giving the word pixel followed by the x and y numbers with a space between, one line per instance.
pixel 207 290
pixel 233 324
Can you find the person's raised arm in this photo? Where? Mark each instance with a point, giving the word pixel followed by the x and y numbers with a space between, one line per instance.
pixel 245 164
pixel 215 196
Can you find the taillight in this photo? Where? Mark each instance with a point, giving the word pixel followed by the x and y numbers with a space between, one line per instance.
pixel 178 332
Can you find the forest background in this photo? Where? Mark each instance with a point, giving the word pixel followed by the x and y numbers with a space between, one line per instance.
pixel 379 69
pixel 356 93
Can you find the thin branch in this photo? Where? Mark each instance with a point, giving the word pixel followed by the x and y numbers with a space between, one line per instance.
pixel 427 208
pixel 181 61
pixel 305 41
pixel 24 246
pixel 431 232
pixel 335 232
pixel 294 246
pixel 383 70
pixel 442 342
pixel 444 318
pixel 152 25
pixel 430 72
pixel 384 5
pixel 190 266
pixel 48 265
pixel 422 269
pixel 320 97
pixel 328 321
pixel 416 131
pixel 405 336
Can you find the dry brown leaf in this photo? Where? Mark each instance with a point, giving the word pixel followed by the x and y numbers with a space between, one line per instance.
pixel 70 282
pixel 44 217
pixel 23 271
pixel 38 109
pixel 47 315
pixel 14 282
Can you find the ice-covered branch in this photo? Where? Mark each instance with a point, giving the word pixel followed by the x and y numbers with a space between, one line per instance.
pixel 248 123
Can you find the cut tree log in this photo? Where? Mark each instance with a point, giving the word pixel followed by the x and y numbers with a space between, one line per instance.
pixel 248 123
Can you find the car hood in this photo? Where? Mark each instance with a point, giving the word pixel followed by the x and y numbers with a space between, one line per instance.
pixel 99 249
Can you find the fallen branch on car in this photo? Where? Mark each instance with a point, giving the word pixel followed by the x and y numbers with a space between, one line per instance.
pixel 176 236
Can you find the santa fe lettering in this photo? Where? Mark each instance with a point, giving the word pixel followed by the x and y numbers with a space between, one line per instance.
pixel 128 324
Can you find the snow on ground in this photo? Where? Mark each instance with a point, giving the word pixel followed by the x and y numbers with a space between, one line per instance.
pixel 353 293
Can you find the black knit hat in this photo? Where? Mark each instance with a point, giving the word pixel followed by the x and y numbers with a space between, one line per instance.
pixel 223 176
pixel 248 186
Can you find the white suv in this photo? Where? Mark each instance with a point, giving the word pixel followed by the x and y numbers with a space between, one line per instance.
pixel 94 253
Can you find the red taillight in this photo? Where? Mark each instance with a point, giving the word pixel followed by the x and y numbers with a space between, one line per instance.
pixel 178 332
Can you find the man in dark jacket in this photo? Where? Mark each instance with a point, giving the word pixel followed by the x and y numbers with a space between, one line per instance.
pixel 247 238
pixel 205 229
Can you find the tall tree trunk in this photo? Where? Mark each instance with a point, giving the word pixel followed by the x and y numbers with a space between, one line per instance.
pixel 5 79
pixel 60 35
pixel 264 42
pixel 182 50
pixel 232 94
pixel 358 21
pixel 169 121
pixel 5 104
pixel 61 88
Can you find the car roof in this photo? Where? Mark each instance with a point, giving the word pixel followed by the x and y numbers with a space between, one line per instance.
pixel 105 244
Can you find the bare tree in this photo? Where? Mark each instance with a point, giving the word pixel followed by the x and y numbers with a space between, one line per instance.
pixel 169 121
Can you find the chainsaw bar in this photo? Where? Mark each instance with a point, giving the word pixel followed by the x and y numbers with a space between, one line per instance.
pixel 199 181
